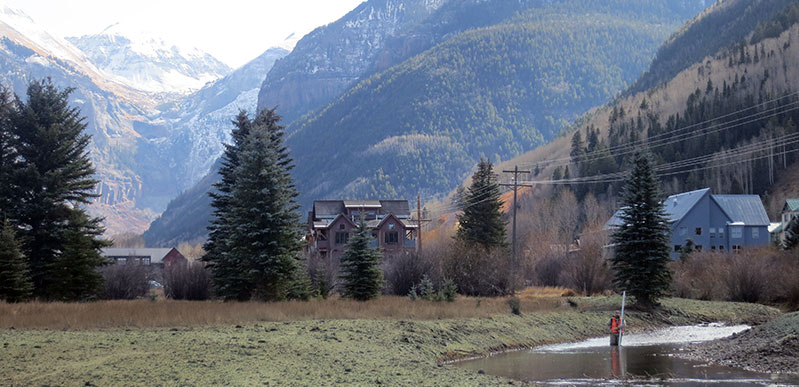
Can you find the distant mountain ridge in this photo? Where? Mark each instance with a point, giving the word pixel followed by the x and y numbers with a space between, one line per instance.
pixel 148 63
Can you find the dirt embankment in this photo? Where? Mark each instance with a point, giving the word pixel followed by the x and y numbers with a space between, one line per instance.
pixel 772 347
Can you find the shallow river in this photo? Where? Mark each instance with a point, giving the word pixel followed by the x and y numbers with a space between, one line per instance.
pixel 644 359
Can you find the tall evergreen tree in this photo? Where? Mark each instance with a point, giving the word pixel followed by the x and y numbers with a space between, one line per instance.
pixel 791 235
pixel 641 242
pixel 255 238
pixel 15 282
pixel 481 221
pixel 54 184
pixel 8 157
pixel 360 267
pixel 228 275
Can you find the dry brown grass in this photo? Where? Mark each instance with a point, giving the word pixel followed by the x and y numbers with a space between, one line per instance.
pixel 170 313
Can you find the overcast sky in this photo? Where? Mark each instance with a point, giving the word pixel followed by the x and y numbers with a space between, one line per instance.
pixel 234 31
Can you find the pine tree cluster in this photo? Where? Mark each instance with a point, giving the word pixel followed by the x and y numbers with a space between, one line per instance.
pixel 50 246
pixel 254 240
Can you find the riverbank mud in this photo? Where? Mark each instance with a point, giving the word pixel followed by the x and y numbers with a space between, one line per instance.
pixel 771 348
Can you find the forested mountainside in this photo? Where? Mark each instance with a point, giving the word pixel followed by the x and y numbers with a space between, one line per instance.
pixel 495 91
pixel 727 122
pixel 330 58
pixel 714 29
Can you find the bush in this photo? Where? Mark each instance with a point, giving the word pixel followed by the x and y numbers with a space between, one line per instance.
pixel 323 273
pixel 480 272
pixel 764 275
pixel 515 306
pixel 125 282
pixel 187 281
pixel 403 271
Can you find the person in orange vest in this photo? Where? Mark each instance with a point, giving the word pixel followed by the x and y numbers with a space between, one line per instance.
pixel 616 327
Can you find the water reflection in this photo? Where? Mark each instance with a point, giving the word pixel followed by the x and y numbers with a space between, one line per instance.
pixel 643 362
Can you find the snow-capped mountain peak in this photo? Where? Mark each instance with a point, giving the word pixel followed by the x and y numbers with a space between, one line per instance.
pixel 144 61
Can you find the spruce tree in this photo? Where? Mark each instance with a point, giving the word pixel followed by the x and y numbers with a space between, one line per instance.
pixel 15 283
pixel 9 167
pixel 481 222
pixel 73 273
pixel 791 235
pixel 54 184
pixel 641 242
pixel 229 276
pixel 255 238
pixel 362 278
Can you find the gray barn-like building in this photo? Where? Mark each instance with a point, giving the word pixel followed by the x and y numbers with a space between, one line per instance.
pixel 720 223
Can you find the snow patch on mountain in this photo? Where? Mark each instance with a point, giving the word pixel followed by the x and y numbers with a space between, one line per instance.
pixel 146 62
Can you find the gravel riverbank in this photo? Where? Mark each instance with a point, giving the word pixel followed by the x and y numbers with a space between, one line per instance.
pixel 772 347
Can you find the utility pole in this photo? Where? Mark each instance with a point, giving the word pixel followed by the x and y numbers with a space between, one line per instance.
pixel 515 185
pixel 418 224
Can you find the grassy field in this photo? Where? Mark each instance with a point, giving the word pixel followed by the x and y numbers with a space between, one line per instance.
pixel 391 340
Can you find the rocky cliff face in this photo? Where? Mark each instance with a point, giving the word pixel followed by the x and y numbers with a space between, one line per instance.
pixel 329 59
pixel 199 125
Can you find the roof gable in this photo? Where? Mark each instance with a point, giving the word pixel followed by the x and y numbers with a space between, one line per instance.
pixel 676 207
pixel 746 209
pixel 791 205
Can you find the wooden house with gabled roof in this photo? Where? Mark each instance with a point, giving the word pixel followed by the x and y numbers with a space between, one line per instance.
pixel 331 223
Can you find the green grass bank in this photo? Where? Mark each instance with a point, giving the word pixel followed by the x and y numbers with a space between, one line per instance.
pixel 321 352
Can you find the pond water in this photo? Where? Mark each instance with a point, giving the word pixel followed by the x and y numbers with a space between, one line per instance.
pixel 644 359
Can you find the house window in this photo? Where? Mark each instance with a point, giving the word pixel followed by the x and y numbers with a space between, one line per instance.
pixel 341 226
pixel 391 226
pixel 342 238
pixel 712 248
pixel 698 248
pixel 736 248
pixel 699 231
pixel 392 238
pixel 755 233
pixel 736 232
pixel 721 247
pixel 122 261
pixel 677 248
pixel 712 232
pixel 145 261
pixel 721 233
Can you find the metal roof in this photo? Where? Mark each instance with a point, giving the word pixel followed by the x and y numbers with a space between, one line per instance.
pixel 676 207
pixel 362 204
pixel 155 255
pixel 743 208
pixel 791 205
pixel 331 208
